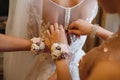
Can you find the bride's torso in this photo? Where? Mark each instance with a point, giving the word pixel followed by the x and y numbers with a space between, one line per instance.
pixel 54 10
pixel 49 12
pixel 62 12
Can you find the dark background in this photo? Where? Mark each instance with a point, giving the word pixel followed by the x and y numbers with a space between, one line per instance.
pixel 4 4
pixel 4 7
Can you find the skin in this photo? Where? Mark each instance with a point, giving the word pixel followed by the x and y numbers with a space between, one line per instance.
pixel 110 71
pixel 9 43
pixel 81 27
pixel 67 3
pixel 24 45
pixel 105 70
pixel 56 34
pixel 113 67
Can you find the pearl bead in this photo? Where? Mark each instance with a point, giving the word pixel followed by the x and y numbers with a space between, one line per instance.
pixel 105 49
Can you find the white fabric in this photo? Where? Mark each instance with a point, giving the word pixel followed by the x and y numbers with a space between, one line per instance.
pixel 28 22
pixel 67 18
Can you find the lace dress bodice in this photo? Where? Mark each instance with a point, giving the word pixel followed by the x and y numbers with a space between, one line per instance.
pixel 32 18
pixel 52 12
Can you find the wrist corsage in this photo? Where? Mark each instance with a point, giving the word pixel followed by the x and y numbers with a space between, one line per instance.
pixel 37 45
pixel 59 51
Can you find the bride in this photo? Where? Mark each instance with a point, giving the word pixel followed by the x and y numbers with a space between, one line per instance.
pixel 31 18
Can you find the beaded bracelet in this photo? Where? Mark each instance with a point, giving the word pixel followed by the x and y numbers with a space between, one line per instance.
pixel 94 30
pixel 37 45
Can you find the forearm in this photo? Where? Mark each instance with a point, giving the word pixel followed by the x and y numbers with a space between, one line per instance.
pixel 53 76
pixel 103 33
pixel 8 43
pixel 63 72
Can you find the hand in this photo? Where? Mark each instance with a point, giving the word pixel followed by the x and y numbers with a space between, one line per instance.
pixel 80 27
pixel 56 34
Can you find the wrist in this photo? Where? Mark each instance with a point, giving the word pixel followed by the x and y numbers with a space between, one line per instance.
pixel 61 61
pixel 37 45
pixel 59 51
pixel 93 30
pixel 29 43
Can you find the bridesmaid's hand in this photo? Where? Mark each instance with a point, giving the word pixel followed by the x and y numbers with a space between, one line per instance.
pixel 80 27
pixel 56 34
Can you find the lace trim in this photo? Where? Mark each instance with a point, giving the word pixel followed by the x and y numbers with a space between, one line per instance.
pixel 34 22
pixel 44 26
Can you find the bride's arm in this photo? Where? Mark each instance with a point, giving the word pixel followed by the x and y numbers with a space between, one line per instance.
pixel 9 43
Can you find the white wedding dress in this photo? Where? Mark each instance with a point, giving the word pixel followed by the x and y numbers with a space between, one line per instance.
pixel 31 18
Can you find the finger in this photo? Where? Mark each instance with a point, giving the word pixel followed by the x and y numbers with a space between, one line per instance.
pixel 76 32
pixel 51 29
pixel 47 33
pixel 56 26
pixel 61 27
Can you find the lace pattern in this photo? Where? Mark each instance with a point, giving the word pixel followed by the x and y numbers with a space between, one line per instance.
pixel 37 27
pixel 34 21
pixel 44 26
